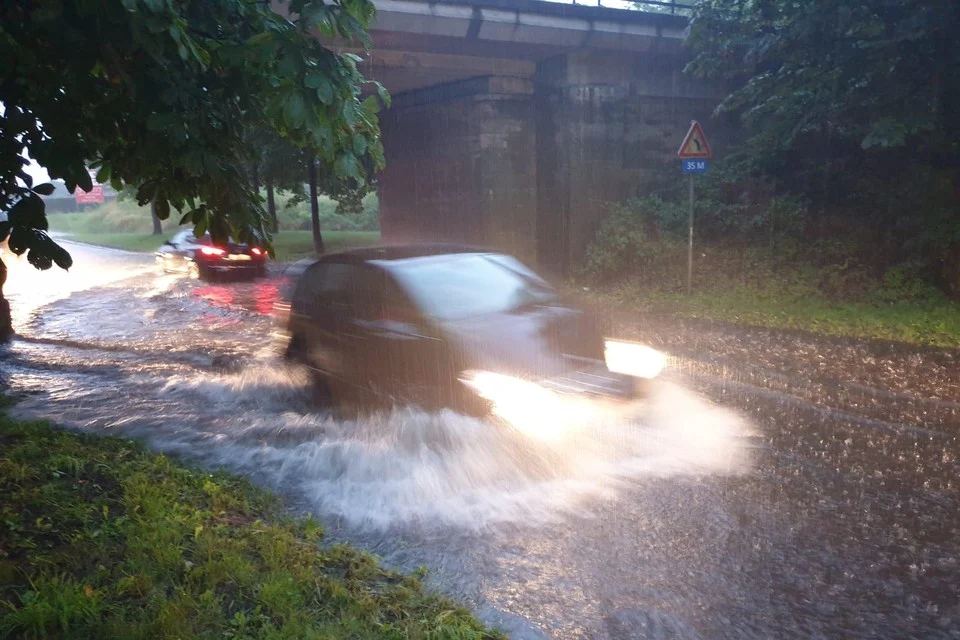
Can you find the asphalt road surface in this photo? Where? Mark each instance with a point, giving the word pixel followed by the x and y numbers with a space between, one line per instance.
pixel 776 485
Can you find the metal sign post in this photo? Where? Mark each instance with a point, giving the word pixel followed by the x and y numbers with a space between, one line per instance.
pixel 693 153
pixel 690 242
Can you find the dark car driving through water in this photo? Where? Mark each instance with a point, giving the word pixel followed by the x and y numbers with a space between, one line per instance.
pixel 202 258
pixel 448 326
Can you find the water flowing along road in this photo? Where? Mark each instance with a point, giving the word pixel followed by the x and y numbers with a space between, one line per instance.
pixel 775 486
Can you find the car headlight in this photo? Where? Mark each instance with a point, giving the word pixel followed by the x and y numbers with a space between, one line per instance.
pixel 633 359
pixel 528 407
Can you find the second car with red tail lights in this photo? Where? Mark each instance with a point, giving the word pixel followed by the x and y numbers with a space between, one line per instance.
pixel 203 258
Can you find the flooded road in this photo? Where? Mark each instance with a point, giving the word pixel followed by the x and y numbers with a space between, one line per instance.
pixel 774 487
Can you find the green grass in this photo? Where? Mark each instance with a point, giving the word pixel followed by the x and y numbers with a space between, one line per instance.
pixel 127 241
pixel 293 245
pixel 289 245
pixel 125 216
pixel 102 539
pixel 931 321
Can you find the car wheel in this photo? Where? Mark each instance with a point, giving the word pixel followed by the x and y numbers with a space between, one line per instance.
pixel 296 349
pixel 323 394
pixel 261 272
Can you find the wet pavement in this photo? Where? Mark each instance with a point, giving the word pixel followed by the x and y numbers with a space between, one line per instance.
pixel 777 485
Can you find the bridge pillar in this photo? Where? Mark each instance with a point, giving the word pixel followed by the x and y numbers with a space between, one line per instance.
pixel 608 125
pixel 529 164
pixel 461 165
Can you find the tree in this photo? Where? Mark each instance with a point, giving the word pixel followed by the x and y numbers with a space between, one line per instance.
pixel 880 74
pixel 853 104
pixel 157 223
pixel 318 247
pixel 160 94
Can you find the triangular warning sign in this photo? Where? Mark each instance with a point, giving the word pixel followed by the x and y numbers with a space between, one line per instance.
pixel 695 145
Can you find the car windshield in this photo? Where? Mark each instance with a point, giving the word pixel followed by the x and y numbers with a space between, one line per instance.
pixel 462 286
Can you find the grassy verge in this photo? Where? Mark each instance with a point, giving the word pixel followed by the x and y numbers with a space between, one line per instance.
pixel 101 539
pixel 125 216
pixel 931 321
pixel 289 245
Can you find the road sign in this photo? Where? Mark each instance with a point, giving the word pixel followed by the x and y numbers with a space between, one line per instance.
pixel 94 196
pixel 693 154
pixel 695 145
pixel 694 166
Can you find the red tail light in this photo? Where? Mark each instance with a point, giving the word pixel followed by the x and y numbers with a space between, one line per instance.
pixel 256 251
pixel 212 251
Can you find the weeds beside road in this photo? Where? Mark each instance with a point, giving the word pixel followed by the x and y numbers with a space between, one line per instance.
pixel 102 539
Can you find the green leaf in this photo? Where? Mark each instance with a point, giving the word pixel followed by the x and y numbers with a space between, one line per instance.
pixel 103 175
pixel 44 189
pixel 359 145
pixel 29 213
pixel 322 85
pixel 371 106
pixel 163 208
pixel 346 166
pixel 27 179
pixel 147 192
pixel 259 39
pixel 295 110
pixel 84 181
pixel 350 112
pixel 383 94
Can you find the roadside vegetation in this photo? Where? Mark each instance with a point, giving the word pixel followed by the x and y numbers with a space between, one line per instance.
pixel 289 245
pixel 831 202
pixel 102 539
pixel 124 215
pixel 761 265
pixel 125 225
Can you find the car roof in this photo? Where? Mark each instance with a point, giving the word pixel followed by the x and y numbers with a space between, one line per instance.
pixel 387 253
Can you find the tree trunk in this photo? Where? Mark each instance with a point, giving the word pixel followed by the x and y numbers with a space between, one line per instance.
pixel 314 205
pixel 6 323
pixel 157 225
pixel 272 207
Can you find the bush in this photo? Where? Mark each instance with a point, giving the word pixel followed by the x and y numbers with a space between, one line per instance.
pixel 293 215
pixel 120 216
pixel 633 239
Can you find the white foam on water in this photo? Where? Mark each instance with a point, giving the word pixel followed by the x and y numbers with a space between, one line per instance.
pixel 406 465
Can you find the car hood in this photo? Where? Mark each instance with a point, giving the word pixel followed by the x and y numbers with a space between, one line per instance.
pixel 541 342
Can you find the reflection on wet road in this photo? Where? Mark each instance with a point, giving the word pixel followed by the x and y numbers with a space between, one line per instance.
pixel 759 494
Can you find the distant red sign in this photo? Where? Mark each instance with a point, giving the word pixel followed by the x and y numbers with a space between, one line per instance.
pixel 94 196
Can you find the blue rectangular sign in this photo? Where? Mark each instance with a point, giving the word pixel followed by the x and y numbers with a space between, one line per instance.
pixel 694 166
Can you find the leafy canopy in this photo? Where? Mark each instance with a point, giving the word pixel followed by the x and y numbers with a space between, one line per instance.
pixel 852 105
pixel 879 74
pixel 161 95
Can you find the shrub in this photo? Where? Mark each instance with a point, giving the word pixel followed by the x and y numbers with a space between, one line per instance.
pixel 633 239
pixel 294 215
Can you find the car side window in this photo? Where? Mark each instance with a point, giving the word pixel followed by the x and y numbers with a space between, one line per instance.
pixel 366 293
pixel 323 289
